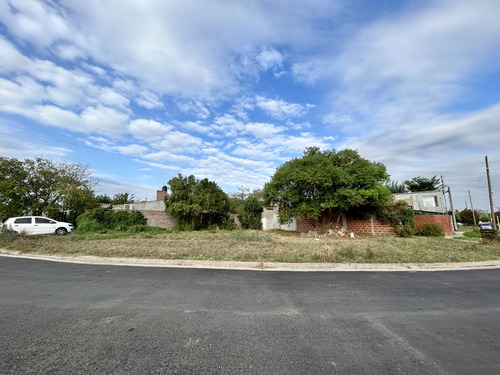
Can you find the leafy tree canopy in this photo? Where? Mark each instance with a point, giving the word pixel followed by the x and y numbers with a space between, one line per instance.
pixel 467 216
pixel 123 198
pixel 327 180
pixel 396 187
pixel 40 186
pixel 196 203
pixel 238 200
pixel 422 184
pixel 103 199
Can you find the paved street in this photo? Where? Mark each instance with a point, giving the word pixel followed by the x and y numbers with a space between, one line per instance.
pixel 63 318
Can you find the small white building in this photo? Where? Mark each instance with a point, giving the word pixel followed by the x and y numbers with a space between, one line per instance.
pixel 425 201
pixel 270 220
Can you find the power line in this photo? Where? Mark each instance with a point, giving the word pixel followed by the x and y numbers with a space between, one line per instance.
pixel 67 142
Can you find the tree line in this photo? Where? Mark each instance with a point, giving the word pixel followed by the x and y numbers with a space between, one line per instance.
pixel 318 181
pixel 39 186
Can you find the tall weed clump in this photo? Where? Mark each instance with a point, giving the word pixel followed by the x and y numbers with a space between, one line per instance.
pixel 100 220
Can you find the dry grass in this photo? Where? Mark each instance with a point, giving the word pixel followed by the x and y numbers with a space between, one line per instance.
pixel 260 247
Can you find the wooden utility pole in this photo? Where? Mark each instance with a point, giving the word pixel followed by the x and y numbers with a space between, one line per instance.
pixel 455 228
pixel 493 221
pixel 442 189
pixel 472 207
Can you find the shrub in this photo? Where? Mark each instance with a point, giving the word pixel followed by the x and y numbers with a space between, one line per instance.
pixel 6 234
pixel 400 216
pixel 231 225
pixel 100 220
pixel 251 217
pixel 430 230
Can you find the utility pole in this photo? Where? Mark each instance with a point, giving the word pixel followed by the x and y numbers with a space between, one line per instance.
pixel 452 211
pixel 472 207
pixel 442 189
pixel 493 221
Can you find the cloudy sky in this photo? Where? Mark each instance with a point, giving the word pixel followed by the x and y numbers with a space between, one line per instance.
pixel 141 91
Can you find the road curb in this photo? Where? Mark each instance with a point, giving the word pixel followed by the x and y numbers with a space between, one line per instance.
pixel 259 266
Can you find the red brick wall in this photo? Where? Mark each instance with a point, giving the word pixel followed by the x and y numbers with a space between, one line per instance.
pixel 443 220
pixel 306 224
pixel 160 194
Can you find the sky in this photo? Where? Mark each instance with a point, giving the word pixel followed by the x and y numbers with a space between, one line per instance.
pixel 140 91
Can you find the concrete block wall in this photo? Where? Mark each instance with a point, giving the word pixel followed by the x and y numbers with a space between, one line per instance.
pixel 160 219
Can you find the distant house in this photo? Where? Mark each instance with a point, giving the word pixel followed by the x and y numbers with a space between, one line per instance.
pixel 425 201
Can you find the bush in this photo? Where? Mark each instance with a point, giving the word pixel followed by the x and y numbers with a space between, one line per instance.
pixel 251 217
pixel 101 220
pixel 400 216
pixel 405 231
pixel 86 225
pixel 6 234
pixel 430 230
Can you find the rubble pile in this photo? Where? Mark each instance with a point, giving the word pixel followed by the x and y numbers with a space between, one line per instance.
pixel 326 230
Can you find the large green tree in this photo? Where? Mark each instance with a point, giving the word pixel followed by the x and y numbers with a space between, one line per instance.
pixel 422 184
pixel 196 203
pixel 40 186
pixel 327 180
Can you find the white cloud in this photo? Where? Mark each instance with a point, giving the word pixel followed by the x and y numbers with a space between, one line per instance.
pixel 194 107
pixel 132 149
pixel 269 58
pixel 92 120
pixel 11 59
pixel 148 130
pixel 178 142
pixel 280 109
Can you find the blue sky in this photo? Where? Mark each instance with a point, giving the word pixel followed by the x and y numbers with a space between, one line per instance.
pixel 229 90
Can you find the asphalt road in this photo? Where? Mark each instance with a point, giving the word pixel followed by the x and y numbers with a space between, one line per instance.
pixel 62 318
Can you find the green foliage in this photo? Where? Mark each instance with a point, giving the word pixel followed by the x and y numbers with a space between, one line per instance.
pixel 422 184
pixel 40 186
pixel 329 180
pixel 196 204
pixel 466 217
pixel 100 220
pixel 122 198
pixel 400 216
pixel 236 205
pixel 396 187
pixel 251 217
pixel 231 225
pixel 237 200
pixel 430 230
pixel 7 234
pixel 473 233
pixel 103 199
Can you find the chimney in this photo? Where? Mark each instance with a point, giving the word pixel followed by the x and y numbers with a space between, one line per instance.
pixel 160 194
